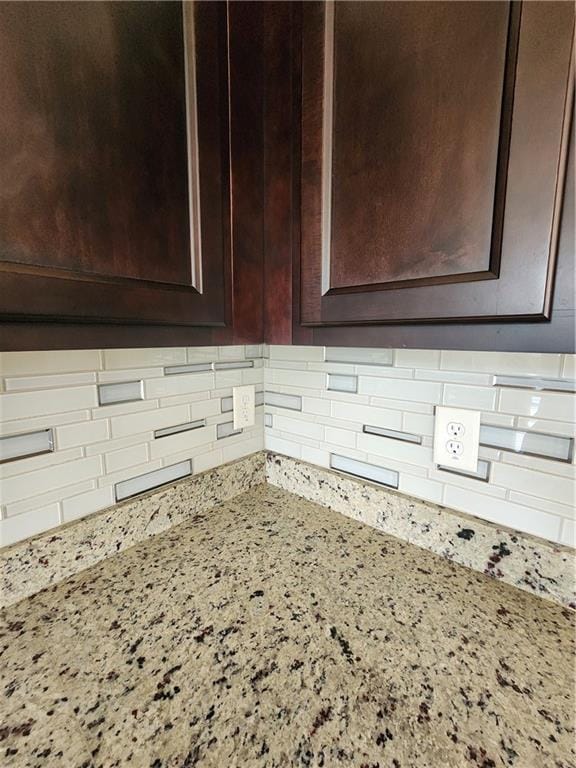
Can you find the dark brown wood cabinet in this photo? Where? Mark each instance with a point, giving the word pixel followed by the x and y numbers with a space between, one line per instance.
pixel 118 169
pixel 433 155
pixel 363 173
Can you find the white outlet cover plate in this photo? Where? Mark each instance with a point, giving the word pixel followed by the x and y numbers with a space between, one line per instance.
pixel 243 405
pixel 447 422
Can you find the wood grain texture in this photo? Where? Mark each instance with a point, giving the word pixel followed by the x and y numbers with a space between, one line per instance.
pixel 527 225
pixel 558 334
pixel 247 173
pixel 87 90
pixel 279 168
pixel 94 223
pixel 416 133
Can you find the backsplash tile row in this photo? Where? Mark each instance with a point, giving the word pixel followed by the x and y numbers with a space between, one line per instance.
pixel 327 406
pixel 338 407
pixel 114 416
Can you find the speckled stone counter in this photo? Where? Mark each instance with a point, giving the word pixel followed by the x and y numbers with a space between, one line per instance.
pixel 34 564
pixel 271 632
pixel 527 562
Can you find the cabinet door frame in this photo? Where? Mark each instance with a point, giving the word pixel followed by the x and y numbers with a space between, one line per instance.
pixel 521 280
pixel 50 294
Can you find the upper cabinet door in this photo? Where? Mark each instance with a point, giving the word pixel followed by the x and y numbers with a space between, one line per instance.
pixel 114 166
pixel 434 138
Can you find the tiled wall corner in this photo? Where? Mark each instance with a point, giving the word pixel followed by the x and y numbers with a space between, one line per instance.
pixel 335 393
pixel 96 446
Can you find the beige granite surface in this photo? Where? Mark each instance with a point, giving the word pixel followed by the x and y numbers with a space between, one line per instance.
pixel 527 562
pixel 32 565
pixel 271 632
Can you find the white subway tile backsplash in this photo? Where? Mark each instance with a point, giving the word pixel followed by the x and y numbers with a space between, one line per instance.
pixel 232 352
pixel 536 382
pixel 174 370
pixel 146 482
pixel 364 414
pixel 280 445
pixel 129 374
pixel 208 460
pixel 178 385
pixel 561 489
pixel 111 478
pixel 40 362
pixel 553 507
pixel 280 400
pixel 46 401
pixel 253 350
pixel 397 390
pixel 393 434
pixel 37 482
pixel 14 384
pixel 420 391
pixel 316 406
pixel 226 429
pixel 126 457
pixel 122 392
pixel 418 423
pixel 14 447
pixel 568 533
pixel 182 442
pixel 201 354
pixel 108 411
pixel 33 463
pixel 521 441
pixel 143 358
pixel 341 437
pixel 133 423
pixel 476 398
pixel 342 383
pixel 83 433
pixel 455 377
pixel 362 469
pixel 42 422
pixel 49 497
pixel 307 379
pixel 421 487
pixel 97 447
pixel 240 449
pixel 100 445
pixel 482 470
pixel 299 354
pixel 175 430
pixel 225 365
pixel 504 512
pixel 420 455
pixel 115 444
pixel 80 505
pixel 502 362
pixel 543 405
pixel 547 466
pixel 566 428
pixel 417 358
pixel 27 524
pixel 569 366
pixel 362 355
pixel 298 427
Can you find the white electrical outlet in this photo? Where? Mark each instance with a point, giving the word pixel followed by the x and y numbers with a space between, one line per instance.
pixel 243 406
pixel 456 438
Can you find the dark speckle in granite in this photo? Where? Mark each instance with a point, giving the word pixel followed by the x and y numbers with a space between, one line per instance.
pixel 271 632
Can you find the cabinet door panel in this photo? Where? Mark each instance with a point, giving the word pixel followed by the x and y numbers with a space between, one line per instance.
pixel 433 152
pixel 114 162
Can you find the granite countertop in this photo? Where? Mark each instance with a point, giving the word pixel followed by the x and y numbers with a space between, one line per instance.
pixel 273 632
